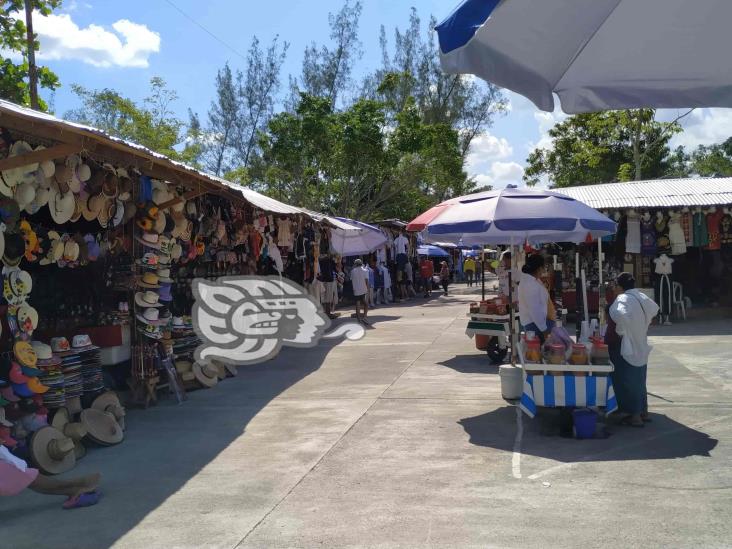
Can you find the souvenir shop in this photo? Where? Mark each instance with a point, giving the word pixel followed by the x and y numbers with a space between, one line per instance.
pixel 675 237
pixel 100 240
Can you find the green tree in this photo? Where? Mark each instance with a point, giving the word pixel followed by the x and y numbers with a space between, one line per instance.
pixel 13 73
pixel 604 147
pixel 151 124
pixel 712 160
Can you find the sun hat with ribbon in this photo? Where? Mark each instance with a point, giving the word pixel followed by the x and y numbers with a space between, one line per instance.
pixel 147 299
pixel 52 451
pixel 150 330
pixel 149 279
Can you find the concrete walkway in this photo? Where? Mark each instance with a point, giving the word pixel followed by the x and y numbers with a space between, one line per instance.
pixel 403 440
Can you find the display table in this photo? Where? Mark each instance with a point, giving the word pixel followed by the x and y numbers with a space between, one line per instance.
pixel 568 389
pixel 487 324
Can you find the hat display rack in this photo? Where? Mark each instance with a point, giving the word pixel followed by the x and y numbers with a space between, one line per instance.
pixel 61 231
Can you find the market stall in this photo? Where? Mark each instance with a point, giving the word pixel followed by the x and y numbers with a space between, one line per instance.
pixel 516 217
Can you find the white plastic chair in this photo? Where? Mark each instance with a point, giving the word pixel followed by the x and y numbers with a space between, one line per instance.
pixel 677 300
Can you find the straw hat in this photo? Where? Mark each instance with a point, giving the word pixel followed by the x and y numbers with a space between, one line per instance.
pixel 39 200
pixel 149 280
pixel 55 250
pixel 74 430
pixel 185 369
pixel 206 374
pixel 61 205
pixel 150 316
pixel 11 178
pixel 71 250
pixel 149 240
pixel 164 275
pixel 101 427
pixel 109 402
pixel 147 299
pixel 24 194
pixel 159 223
pixel 110 185
pixel 25 354
pixel 125 185
pixel 119 213
pixel 52 451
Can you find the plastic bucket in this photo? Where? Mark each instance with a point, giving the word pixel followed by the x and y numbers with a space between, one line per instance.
pixel 512 381
pixel 481 341
pixel 585 422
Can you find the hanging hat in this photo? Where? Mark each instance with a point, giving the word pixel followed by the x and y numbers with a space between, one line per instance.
pixel 109 402
pixel 16 375
pixel 71 250
pixel 101 427
pixel 110 187
pixel 165 244
pixel 8 394
pixel 25 354
pixel 206 374
pixel 36 386
pixel 130 212
pixel 20 284
pixel 150 316
pixel 149 240
pixel 52 451
pixel 107 213
pixel 13 177
pixel 40 200
pixel 149 280
pixel 159 222
pixel 14 249
pixel 92 247
pixel 176 250
pixel 82 342
pixel 61 205
pixel 27 318
pixel 60 344
pixel 125 185
pixel 55 249
pixel 24 194
pixel 80 172
pixel 74 430
pixel 4 421
pixel 9 213
pixel 119 213
pixel 149 259
pixel 147 299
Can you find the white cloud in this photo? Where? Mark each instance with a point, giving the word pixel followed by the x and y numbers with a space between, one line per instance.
pixel 701 127
pixel 127 44
pixel 500 174
pixel 484 149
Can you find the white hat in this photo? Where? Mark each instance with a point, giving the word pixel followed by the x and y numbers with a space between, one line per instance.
pixel 61 205
pixel 147 299
pixel 25 193
pixel 151 316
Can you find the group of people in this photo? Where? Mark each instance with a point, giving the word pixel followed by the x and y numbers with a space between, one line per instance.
pixel 629 315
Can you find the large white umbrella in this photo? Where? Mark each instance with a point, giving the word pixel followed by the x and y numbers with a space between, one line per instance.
pixel 596 54
pixel 350 237
pixel 511 216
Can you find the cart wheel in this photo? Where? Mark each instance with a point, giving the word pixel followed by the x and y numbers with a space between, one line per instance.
pixel 495 353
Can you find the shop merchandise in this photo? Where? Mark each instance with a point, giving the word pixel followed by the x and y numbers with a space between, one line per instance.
pixel 676 234
pixel 648 236
pixel 633 235
pixel 714 218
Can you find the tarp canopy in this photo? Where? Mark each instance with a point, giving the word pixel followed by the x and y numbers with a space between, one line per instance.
pixel 596 55
pixel 355 237
pixel 432 251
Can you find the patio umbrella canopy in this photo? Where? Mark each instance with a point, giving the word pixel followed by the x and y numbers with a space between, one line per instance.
pixel 596 55
pixel 351 237
pixel 432 251
pixel 511 215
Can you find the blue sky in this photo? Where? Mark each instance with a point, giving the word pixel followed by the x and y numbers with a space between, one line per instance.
pixel 122 44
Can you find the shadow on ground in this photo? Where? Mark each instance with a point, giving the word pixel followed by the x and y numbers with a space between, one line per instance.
pixel 664 438
pixel 189 436
pixel 471 364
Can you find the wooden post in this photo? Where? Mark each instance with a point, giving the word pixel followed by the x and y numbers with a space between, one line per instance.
pixel 30 39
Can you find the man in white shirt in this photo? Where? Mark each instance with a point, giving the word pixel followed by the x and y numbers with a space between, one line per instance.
pixel 360 283
pixel 401 248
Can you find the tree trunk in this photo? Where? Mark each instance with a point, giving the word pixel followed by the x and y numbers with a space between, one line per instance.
pixel 637 158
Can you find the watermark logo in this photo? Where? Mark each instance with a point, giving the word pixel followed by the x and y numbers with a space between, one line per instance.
pixel 248 319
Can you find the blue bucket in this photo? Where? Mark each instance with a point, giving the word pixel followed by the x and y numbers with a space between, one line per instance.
pixel 585 422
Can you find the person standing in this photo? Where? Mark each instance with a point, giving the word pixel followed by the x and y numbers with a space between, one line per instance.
pixel 401 249
pixel 326 275
pixel 360 282
pixel 469 269
pixel 533 299
pixel 444 276
pixel 632 313
pixel 426 271
pixel 409 275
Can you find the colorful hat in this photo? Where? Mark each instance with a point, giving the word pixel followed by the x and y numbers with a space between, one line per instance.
pixel 16 374
pixel 22 390
pixel 36 386
pixel 25 354
pixel 60 344
pixel 8 394
pixel 164 292
pixel 164 275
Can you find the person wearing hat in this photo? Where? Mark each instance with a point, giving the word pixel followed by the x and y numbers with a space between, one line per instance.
pixel 360 283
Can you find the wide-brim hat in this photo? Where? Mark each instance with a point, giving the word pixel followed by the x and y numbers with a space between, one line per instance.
pixel 8 394
pixel 11 178
pixel 151 322
pixel 205 374
pixel 52 451
pixel 149 240
pixel 142 302
pixel 119 213
pixel 101 427
pixel 74 430
pixel 9 213
pixel 149 280
pixel 61 206
pixel 109 402
pixel 14 249
pixel 25 354
pixel 24 194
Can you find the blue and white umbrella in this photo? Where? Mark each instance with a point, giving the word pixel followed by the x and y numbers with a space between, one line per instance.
pixel 596 54
pixel 349 237
pixel 432 251
pixel 511 216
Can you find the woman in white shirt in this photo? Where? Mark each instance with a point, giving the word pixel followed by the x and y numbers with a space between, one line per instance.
pixel 533 298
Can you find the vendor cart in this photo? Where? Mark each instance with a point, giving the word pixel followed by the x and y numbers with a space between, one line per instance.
pixel 497 328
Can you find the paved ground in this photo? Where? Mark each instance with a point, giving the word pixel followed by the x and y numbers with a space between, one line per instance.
pixel 403 440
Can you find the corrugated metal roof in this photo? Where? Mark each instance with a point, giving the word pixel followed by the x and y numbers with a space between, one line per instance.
pixel 654 193
pixel 254 198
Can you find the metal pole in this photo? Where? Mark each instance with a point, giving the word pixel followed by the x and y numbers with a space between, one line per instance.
pixel 30 40
pixel 511 320
pixel 601 312
pixel 482 275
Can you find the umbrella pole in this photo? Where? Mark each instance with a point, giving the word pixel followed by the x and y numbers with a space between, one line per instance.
pixel 511 321
pixel 601 311
pixel 578 295
pixel 482 275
